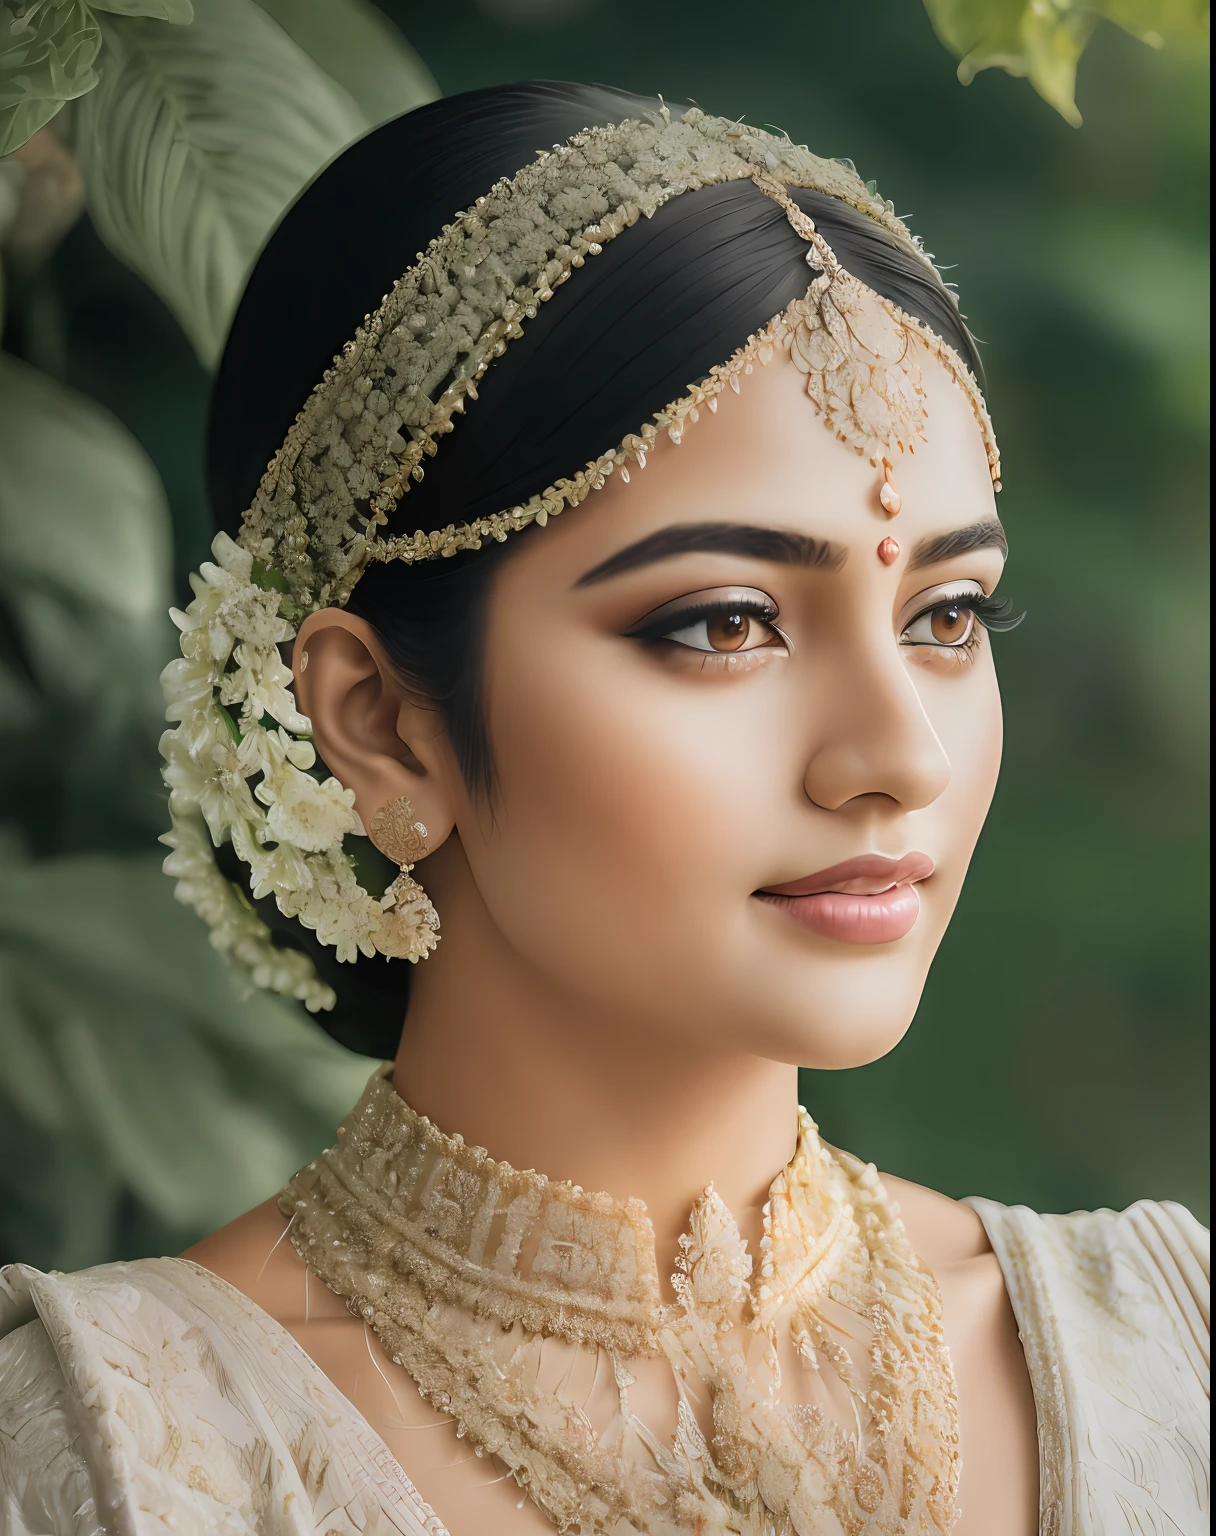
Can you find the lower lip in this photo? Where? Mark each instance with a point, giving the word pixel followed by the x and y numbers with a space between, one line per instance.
pixel 854 919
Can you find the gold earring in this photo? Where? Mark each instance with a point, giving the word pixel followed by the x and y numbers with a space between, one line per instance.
pixel 409 929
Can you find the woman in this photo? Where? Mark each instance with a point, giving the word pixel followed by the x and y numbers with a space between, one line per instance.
pixel 696 769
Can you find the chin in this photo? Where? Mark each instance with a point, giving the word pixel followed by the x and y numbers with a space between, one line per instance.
pixel 840 1021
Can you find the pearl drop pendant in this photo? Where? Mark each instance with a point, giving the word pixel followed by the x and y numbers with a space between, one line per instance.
pixel 888 497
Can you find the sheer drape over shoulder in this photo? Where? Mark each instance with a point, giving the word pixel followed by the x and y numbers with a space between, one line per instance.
pixel 151 1395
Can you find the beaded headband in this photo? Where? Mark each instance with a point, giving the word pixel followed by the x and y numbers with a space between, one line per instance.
pixel 239 762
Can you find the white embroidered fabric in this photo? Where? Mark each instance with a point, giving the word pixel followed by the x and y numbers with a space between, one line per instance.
pixel 1113 1312
pixel 151 1396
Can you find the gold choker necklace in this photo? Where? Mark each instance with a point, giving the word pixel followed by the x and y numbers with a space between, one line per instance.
pixel 502 1293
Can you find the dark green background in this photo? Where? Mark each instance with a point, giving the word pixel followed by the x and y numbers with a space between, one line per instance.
pixel 1060 1054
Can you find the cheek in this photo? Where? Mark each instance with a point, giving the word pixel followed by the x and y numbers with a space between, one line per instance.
pixel 968 720
pixel 621 796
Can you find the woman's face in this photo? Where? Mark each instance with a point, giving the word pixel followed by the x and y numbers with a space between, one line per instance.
pixel 704 685
pixel 742 761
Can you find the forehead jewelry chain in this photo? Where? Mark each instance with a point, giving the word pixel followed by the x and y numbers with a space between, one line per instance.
pixel 890 501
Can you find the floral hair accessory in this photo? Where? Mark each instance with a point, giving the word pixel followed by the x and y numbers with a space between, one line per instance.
pixel 240 763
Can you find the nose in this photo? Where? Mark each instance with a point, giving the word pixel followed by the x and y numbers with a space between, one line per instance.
pixel 875 738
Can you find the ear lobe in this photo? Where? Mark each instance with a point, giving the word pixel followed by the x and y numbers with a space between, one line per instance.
pixel 347 687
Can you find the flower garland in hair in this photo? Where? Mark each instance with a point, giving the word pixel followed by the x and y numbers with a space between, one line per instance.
pixel 239 766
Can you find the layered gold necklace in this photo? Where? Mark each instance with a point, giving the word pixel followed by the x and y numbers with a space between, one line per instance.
pixel 503 1293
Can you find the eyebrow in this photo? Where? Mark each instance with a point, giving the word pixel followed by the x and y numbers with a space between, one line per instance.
pixel 962 541
pixel 776 545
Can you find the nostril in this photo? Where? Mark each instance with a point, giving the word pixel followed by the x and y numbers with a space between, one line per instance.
pixel 899 761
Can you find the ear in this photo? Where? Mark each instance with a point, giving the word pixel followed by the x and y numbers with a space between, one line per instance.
pixel 370 732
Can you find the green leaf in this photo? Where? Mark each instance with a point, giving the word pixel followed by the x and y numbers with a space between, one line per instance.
pixel 266 577
pixel 359 47
pixel 134 1072
pixel 194 144
pixel 84 585
pixel 230 724
pixel 82 511
pixel 47 55
pixel 178 11
pixel 1043 40
pixel 1158 21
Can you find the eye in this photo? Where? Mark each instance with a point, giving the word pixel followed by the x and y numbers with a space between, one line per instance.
pixel 951 623
pixel 730 629
pixel 724 621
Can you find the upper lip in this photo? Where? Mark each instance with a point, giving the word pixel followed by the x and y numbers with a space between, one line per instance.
pixel 867 875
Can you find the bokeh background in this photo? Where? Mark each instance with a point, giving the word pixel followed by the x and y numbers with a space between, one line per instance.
pixel 1060 1056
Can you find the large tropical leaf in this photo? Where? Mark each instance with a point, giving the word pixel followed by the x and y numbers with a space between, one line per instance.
pixel 47 52
pixel 143 1102
pixel 84 583
pixel 193 145
pixel 357 44
pixel 46 58
pixel 1044 39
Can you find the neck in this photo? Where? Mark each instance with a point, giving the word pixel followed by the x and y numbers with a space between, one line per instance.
pixel 542 1079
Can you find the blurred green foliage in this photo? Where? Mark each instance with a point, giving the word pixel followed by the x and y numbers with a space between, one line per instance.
pixel 1060 1054
pixel 1044 39
pixel 143 1100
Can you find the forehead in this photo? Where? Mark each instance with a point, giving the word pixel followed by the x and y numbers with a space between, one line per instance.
pixel 767 457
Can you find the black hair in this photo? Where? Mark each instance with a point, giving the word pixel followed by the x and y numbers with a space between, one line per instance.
pixel 656 310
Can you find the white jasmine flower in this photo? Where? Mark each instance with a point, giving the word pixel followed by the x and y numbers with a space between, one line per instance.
pixel 203 636
pixel 249 613
pixel 337 908
pixel 348 921
pixel 233 559
pixel 188 685
pixel 265 752
pixel 308 815
pixel 228 607
pixel 202 784
pixel 235 928
pixel 279 870
pixel 261 682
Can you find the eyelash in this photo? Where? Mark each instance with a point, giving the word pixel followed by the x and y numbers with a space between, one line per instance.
pixel 994 614
pixel 667 623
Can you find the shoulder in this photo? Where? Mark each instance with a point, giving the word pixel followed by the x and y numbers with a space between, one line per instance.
pixel 254 1255
pixel 943 1231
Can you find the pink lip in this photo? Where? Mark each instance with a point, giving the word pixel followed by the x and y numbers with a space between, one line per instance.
pixel 867 900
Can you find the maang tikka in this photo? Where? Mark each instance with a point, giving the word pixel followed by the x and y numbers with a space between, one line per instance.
pixel 410 927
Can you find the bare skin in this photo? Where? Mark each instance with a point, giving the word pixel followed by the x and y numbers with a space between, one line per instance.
pixel 611 1001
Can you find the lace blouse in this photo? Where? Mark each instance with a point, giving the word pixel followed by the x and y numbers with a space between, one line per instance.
pixel 153 1396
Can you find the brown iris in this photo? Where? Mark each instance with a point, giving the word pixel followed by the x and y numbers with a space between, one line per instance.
pixel 728 631
pixel 951 624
